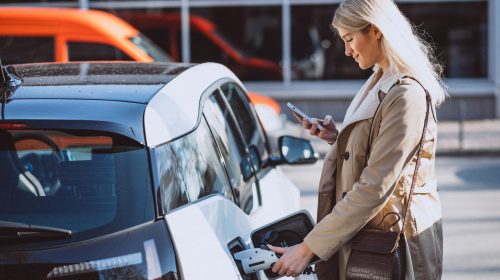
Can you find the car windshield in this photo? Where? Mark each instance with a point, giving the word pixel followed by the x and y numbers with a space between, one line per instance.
pixel 74 180
pixel 145 44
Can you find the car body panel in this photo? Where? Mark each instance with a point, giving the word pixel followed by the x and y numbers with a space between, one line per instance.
pixel 275 185
pixel 71 25
pixel 207 257
pixel 187 89
pixel 120 117
pixel 120 81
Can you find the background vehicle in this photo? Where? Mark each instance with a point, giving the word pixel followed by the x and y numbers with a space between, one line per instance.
pixel 30 35
pixel 107 167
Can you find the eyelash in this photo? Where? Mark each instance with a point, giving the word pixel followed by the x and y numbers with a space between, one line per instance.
pixel 348 40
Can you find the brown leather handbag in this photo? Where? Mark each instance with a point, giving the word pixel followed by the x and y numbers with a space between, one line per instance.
pixel 377 254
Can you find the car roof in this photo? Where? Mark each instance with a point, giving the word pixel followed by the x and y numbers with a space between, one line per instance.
pixel 77 20
pixel 127 82
pixel 170 95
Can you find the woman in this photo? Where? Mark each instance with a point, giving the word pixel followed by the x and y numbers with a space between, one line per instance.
pixel 364 189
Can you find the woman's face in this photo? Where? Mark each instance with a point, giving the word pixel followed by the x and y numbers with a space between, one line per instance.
pixel 364 47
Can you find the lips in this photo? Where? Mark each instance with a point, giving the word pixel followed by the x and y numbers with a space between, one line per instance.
pixel 356 58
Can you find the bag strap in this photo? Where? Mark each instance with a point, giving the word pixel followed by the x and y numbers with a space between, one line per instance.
pixel 419 156
pixel 419 151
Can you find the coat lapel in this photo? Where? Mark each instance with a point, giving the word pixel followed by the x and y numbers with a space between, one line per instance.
pixel 365 103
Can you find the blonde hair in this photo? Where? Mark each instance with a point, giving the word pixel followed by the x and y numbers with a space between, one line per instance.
pixel 403 47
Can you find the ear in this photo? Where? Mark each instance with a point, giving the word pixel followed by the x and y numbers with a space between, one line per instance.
pixel 377 32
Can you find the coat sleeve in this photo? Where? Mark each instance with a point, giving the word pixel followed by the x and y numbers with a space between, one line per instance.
pixel 403 114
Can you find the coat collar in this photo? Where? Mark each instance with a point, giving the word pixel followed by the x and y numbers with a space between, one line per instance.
pixel 366 101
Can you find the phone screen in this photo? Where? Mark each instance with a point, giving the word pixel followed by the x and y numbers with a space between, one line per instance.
pixel 302 114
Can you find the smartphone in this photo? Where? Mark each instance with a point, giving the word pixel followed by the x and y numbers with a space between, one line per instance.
pixel 300 113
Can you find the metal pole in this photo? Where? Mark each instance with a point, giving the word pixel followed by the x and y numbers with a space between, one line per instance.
pixel 84 4
pixel 461 117
pixel 186 44
pixel 493 50
pixel 286 41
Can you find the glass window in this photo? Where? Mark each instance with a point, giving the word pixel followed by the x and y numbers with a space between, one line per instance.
pixel 246 118
pixel 82 181
pixel 162 26
pixel 247 39
pixel 202 46
pixel 232 147
pixel 79 51
pixel 190 168
pixel 150 48
pixel 318 52
pixel 14 50
pixel 459 32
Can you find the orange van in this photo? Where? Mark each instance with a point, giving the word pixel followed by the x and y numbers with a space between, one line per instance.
pixel 62 35
pixel 29 35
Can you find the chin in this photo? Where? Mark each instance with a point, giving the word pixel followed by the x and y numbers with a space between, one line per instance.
pixel 363 67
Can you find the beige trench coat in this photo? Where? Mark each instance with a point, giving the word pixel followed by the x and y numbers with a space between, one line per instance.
pixel 363 195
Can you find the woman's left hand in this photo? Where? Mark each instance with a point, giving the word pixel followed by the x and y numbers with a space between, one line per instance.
pixel 294 260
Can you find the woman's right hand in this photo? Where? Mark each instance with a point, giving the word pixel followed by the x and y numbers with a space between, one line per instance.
pixel 329 132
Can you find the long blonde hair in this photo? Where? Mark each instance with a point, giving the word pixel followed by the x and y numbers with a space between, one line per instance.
pixel 403 47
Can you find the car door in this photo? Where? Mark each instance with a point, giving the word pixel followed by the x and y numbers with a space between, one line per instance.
pixel 202 176
pixel 277 195
pixel 202 216
pixel 235 155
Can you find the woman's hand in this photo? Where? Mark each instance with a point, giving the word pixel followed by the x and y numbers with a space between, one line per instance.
pixel 294 260
pixel 329 132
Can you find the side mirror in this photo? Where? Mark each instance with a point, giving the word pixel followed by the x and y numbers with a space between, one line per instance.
pixel 295 150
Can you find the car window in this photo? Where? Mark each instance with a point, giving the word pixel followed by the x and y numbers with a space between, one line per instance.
pixel 232 147
pixel 224 133
pixel 82 181
pixel 14 50
pixel 246 117
pixel 149 47
pixel 84 51
pixel 190 168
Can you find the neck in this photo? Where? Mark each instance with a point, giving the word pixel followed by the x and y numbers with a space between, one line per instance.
pixel 384 65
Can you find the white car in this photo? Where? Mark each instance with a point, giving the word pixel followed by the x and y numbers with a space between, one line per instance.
pixel 136 171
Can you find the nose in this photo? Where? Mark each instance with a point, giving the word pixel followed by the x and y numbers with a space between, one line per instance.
pixel 348 50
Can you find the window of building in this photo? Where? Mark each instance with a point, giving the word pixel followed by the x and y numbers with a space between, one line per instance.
pixel 246 39
pixel 459 32
pixel 318 53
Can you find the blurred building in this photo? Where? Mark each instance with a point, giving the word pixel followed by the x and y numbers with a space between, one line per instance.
pixel 286 49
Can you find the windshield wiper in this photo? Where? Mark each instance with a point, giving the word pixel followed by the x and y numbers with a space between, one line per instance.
pixel 22 231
